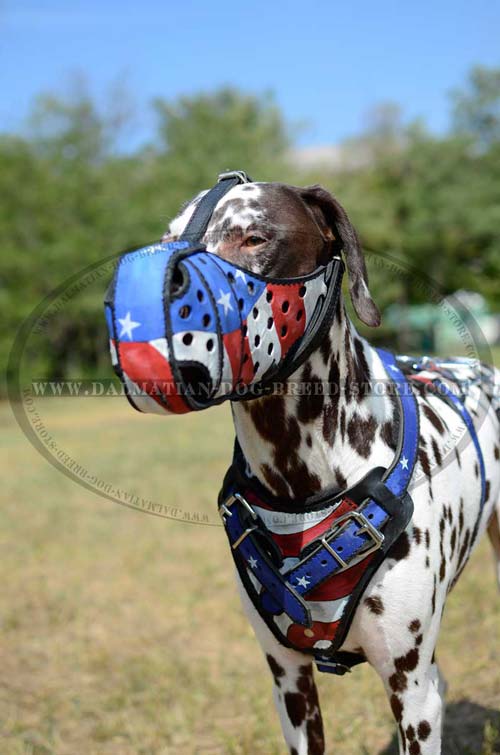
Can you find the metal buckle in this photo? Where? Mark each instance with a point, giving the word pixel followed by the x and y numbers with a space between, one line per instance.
pixel 240 174
pixel 235 498
pixel 224 511
pixel 365 528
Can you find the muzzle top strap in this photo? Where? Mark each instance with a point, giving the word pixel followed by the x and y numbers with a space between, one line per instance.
pixel 195 229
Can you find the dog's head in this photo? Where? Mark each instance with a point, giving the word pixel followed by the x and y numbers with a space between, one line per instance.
pixel 284 231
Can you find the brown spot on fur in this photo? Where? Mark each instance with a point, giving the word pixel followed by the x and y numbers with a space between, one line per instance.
pixel 437 452
pixel 331 413
pixel 275 481
pixel 433 599
pixel 418 639
pixel 398 681
pixel 496 451
pixel 389 435
pixel 361 433
pixel 424 463
pixel 453 540
pixel 315 736
pixel 417 535
pixel 310 404
pixel 274 426
pixel 276 670
pixel 375 604
pixel 423 731
pixel 295 704
pixel 342 423
pixel 396 707
pixel 442 569
pixel 340 479
pixel 462 556
pixel 410 733
pixel 414 748
pixel 434 419
pixel 414 626
pixel 325 348
pixel 400 549
pixel 486 490
pixel 427 539
pixel 407 662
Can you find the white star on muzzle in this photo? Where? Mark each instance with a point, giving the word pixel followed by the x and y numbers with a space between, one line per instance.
pixel 224 301
pixel 128 325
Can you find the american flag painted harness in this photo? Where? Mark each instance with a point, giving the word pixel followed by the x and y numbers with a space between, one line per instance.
pixel 189 330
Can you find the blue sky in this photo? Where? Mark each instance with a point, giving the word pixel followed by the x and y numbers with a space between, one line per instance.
pixel 328 63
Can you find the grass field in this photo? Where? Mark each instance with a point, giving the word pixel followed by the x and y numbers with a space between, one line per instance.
pixel 122 632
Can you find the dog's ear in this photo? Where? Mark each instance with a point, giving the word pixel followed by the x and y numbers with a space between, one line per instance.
pixel 334 223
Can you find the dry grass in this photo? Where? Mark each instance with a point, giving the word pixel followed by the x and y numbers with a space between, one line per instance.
pixel 122 632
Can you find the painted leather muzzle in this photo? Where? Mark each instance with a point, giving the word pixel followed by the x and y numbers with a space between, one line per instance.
pixel 189 330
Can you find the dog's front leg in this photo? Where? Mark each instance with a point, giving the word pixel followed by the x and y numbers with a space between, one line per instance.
pixel 295 693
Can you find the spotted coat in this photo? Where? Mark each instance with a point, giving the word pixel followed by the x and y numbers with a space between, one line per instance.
pixel 296 445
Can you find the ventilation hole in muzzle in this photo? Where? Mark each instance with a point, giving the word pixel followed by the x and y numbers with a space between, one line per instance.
pixel 284 331
pixel 241 304
pixel 230 277
pixel 285 306
pixel 270 348
pixel 210 344
pixel 250 287
pixel 177 281
pixel 187 339
pixel 185 311
pixel 299 314
pixel 244 330
pixel 255 313
pixel 302 291
pixel 270 323
pixel 199 295
pixel 269 296
pixel 257 340
pixel 255 367
pixel 206 320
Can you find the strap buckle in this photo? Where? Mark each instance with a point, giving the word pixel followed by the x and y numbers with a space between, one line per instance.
pixel 239 174
pixel 366 527
pixel 224 511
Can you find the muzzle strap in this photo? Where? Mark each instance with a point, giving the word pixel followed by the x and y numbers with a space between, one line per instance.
pixel 198 223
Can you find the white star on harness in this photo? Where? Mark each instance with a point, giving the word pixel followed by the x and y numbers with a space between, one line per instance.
pixel 252 562
pixel 128 325
pixel 240 274
pixel 224 301
pixel 404 462
pixel 303 581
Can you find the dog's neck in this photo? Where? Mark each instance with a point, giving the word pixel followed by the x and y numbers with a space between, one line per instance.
pixel 328 428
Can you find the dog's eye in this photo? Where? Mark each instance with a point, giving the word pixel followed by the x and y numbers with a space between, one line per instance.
pixel 252 241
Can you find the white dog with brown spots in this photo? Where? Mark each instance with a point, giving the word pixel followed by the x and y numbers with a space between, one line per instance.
pixel 299 445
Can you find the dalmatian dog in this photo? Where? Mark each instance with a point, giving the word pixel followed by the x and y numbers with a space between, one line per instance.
pixel 297 446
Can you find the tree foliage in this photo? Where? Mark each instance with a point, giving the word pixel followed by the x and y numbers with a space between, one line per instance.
pixel 69 197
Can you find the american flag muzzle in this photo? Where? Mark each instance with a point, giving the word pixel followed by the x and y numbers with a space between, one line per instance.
pixel 189 329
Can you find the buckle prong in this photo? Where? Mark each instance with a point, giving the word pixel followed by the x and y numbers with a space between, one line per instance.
pixel 230 501
pixel 366 527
